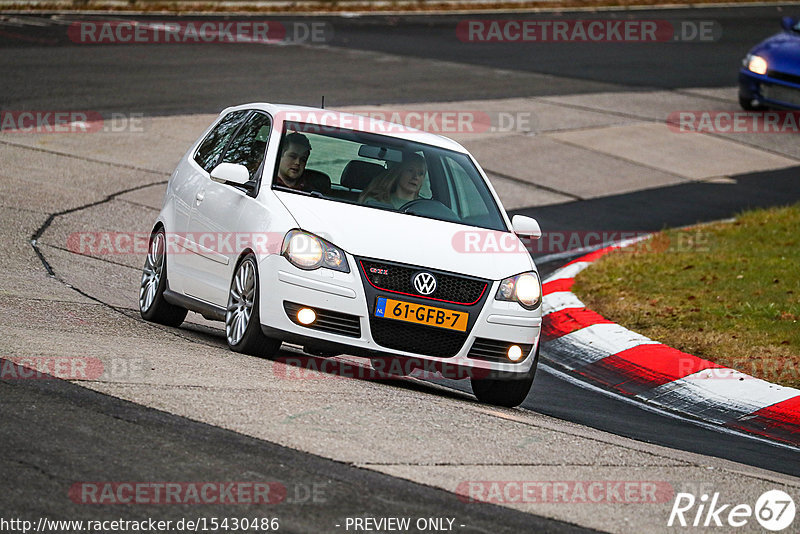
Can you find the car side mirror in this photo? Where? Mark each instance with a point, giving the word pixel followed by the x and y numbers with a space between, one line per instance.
pixel 230 173
pixel 526 226
pixel 788 23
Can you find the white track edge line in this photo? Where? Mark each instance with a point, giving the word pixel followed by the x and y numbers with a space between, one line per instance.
pixel 639 404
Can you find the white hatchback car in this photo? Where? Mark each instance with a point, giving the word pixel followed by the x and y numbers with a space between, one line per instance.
pixel 345 234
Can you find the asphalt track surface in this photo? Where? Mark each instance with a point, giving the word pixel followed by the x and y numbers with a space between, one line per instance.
pixel 70 430
pixel 42 70
pixel 190 79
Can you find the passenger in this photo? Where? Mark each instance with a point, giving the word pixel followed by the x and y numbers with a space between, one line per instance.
pixel 296 149
pixel 399 185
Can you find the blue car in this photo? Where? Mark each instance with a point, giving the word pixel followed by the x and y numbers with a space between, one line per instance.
pixel 770 73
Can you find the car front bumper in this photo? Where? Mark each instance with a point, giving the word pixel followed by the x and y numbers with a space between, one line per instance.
pixel 345 319
pixel 768 91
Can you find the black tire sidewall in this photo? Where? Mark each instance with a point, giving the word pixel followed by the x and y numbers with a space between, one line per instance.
pixel 509 390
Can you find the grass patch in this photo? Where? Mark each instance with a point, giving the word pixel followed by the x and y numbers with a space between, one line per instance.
pixel 727 292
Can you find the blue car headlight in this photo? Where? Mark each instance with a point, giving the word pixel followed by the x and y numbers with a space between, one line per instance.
pixel 756 64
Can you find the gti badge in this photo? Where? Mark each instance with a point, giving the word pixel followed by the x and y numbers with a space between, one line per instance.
pixel 424 283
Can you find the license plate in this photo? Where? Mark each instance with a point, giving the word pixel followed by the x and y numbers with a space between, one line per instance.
pixel 421 314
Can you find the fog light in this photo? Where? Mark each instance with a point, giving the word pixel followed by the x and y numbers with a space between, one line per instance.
pixel 306 316
pixel 515 353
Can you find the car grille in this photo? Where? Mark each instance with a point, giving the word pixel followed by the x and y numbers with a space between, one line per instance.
pixel 327 320
pixel 419 339
pixel 495 351
pixel 781 94
pixel 785 76
pixel 457 289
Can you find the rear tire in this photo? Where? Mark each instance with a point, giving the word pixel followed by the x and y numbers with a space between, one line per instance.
pixel 506 390
pixel 242 320
pixel 152 305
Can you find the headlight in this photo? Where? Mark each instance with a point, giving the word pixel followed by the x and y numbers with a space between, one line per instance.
pixel 756 64
pixel 525 288
pixel 310 252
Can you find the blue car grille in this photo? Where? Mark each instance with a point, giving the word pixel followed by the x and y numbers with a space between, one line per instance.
pixel 781 93
pixel 784 76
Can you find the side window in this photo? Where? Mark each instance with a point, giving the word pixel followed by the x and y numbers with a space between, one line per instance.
pixel 212 146
pixel 249 146
pixel 469 201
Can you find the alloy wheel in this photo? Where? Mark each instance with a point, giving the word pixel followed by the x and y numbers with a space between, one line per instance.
pixel 240 302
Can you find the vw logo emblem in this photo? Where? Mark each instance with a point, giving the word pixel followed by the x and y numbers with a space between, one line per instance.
pixel 424 283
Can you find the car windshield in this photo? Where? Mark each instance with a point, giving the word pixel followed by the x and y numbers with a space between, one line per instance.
pixel 386 173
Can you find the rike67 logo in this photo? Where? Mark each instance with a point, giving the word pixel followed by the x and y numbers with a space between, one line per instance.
pixel 774 510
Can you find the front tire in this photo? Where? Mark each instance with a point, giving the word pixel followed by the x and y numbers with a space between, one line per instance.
pixel 508 390
pixel 747 104
pixel 242 320
pixel 152 305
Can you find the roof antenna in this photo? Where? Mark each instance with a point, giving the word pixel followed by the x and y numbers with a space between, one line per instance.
pixel 323 102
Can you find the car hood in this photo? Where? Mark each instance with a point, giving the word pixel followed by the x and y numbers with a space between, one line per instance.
pixel 782 52
pixel 386 235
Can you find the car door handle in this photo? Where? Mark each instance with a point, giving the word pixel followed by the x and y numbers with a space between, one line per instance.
pixel 200 196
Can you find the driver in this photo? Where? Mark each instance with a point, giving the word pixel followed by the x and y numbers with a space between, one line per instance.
pixel 398 185
pixel 292 165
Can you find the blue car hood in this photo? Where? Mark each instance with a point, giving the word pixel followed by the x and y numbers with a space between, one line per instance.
pixel 782 52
